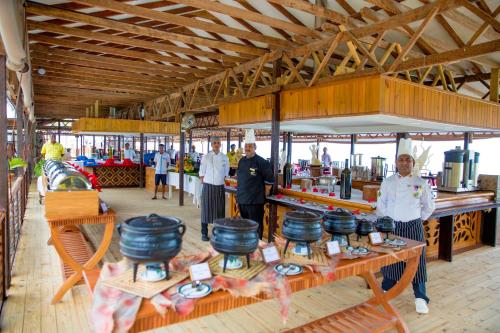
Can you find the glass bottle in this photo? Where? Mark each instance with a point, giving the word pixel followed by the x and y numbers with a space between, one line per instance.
pixel 345 182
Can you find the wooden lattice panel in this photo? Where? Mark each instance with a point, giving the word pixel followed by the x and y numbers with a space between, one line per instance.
pixel 431 230
pixel 466 229
pixel 118 176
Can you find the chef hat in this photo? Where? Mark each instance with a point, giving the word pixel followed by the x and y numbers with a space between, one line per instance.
pixel 249 136
pixel 405 147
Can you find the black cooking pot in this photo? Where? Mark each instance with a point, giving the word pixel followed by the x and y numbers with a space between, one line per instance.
pixel 235 236
pixel 364 227
pixel 339 222
pixel 302 227
pixel 151 238
pixel 385 224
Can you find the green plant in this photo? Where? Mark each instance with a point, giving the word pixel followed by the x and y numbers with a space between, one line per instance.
pixel 17 162
pixel 39 167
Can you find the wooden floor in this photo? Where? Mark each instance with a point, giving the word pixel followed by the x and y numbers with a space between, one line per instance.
pixel 465 294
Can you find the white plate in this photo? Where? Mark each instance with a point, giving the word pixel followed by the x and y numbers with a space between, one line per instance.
pixel 231 264
pixel 150 275
pixel 187 290
pixel 291 269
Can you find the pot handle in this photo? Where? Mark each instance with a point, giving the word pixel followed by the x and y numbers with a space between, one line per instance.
pixel 119 228
pixel 152 216
pixel 182 229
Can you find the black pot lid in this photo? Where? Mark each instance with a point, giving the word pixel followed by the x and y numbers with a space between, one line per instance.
pixel 385 219
pixel 339 212
pixel 153 221
pixel 302 215
pixel 236 224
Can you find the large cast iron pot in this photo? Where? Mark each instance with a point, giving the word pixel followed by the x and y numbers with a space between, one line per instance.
pixel 385 224
pixel 302 227
pixel 151 238
pixel 364 227
pixel 339 222
pixel 235 237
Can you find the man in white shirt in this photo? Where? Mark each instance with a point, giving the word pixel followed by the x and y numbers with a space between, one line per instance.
pixel 162 160
pixel 194 154
pixel 171 152
pixel 325 158
pixel 128 153
pixel 407 199
pixel 214 168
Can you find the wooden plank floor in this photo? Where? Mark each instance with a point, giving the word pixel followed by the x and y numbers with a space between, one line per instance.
pixel 465 294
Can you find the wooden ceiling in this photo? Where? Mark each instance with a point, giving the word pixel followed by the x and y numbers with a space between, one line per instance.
pixel 127 52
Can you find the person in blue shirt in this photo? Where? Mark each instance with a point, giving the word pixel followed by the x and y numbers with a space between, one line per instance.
pixel 162 161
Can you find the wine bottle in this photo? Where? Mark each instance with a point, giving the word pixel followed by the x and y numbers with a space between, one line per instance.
pixel 287 175
pixel 345 182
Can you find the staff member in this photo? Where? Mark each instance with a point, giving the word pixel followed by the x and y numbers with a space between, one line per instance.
pixel 171 152
pixel 233 160
pixel 128 153
pixel 194 154
pixel 407 199
pixel 326 158
pixel 213 169
pixel 253 172
pixel 52 150
pixel 162 160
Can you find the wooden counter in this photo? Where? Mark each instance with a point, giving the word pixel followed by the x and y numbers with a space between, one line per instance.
pixel 461 221
pixel 116 176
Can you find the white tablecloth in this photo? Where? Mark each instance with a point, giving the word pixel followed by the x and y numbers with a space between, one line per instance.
pixel 192 185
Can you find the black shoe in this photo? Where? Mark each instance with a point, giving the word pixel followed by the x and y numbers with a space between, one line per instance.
pixel 205 238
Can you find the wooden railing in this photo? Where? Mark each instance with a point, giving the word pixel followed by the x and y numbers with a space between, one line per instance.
pixel 2 256
pixel 17 198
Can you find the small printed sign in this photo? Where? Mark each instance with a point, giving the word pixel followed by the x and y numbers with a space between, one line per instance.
pixel 270 254
pixel 200 272
pixel 375 238
pixel 333 247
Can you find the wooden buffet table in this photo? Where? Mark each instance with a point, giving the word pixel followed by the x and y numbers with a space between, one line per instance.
pixel 375 319
pixel 461 221
pixel 116 176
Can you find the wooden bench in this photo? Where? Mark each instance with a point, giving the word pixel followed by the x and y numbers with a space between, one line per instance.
pixel 148 318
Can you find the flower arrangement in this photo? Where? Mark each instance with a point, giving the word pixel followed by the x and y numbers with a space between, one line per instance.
pixel 417 191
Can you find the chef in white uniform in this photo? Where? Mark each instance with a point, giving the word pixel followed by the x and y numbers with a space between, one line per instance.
pixel 407 199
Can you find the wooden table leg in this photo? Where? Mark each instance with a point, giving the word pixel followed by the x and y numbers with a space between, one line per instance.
pixel 67 259
pixel 381 298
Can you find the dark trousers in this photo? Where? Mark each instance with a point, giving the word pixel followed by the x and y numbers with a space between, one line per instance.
pixel 418 288
pixel 204 229
pixel 254 213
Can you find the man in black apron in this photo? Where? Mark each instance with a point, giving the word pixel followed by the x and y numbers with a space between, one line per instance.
pixel 253 172
pixel 407 199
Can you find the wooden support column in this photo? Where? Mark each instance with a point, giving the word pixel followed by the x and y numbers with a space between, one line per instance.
pixel 78 151
pixel 494 84
pixel 4 173
pixel 19 123
pixel 190 140
pixel 446 238
pixel 93 141
pixel 104 144
pixel 285 135
pixel 119 143
pixel 141 164
pixel 182 150
pixel 354 138
pixel 275 150
pixel 228 141
pixel 208 144
pixel 239 140
pixel 59 131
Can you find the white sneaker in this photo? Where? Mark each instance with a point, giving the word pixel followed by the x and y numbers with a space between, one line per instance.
pixel 421 306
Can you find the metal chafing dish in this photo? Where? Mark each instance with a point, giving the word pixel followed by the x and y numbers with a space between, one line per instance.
pixel 63 177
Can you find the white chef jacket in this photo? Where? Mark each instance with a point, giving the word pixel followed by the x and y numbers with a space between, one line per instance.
pixel 162 161
pixel 194 156
pixel 214 168
pixel 405 198
pixel 129 153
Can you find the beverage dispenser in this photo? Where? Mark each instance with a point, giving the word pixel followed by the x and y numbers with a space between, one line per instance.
pixel 453 170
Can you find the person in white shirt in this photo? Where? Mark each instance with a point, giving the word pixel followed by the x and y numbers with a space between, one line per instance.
pixel 214 168
pixel 128 153
pixel 171 152
pixel 407 199
pixel 162 160
pixel 325 158
pixel 194 154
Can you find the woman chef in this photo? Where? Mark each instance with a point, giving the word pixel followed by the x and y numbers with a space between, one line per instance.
pixel 407 199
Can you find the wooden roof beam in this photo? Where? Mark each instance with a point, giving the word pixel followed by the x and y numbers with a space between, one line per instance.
pixel 249 15
pixel 37 9
pixel 184 21
pixel 320 11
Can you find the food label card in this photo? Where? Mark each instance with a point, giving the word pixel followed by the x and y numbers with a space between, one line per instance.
pixel 200 272
pixel 333 247
pixel 270 254
pixel 375 238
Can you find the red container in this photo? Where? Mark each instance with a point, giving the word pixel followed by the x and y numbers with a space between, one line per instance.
pixel 304 190
pixel 332 194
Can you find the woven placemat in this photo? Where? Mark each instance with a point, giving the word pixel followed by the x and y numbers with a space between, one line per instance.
pixel 124 282
pixel 318 257
pixel 243 273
